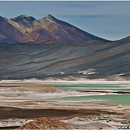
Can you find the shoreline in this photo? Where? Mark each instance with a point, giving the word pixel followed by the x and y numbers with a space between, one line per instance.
pixel 61 82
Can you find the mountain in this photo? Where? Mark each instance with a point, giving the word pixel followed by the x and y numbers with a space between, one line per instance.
pixel 9 33
pixel 72 61
pixel 59 50
pixel 24 29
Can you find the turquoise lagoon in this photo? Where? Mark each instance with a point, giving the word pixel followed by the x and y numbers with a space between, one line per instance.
pixel 112 99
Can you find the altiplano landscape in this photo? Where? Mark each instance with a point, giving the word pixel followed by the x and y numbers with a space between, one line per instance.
pixel 54 75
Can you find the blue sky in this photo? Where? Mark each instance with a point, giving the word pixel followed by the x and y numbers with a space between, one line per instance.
pixel 109 20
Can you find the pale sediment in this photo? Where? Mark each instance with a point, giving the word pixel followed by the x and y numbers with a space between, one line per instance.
pixel 61 82
pixel 19 105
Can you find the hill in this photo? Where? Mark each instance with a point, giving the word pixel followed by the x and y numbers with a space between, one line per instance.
pixel 89 60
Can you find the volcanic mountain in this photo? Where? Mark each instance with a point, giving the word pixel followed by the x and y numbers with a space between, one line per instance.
pixel 24 29
pixel 67 53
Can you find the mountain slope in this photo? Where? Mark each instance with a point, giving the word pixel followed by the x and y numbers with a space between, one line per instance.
pixel 39 34
pixel 28 29
pixel 9 33
pixel 65 32
pixel 109 60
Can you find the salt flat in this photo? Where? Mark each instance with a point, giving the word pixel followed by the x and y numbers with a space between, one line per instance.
pixel 25 103
pixel 61 82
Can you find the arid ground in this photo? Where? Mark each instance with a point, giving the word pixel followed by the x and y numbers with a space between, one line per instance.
pixel 20 105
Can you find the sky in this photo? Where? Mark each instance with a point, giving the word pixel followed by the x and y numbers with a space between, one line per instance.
pixel 106 19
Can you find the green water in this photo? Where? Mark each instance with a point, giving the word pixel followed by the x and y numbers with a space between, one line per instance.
pixel 112 99
pixel 86 87
pixel 92 87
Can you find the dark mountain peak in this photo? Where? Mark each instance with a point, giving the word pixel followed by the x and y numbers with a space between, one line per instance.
pixel 25 21
pixel 23 15
pixel 22 18
pixel 3 18
pixel 50 16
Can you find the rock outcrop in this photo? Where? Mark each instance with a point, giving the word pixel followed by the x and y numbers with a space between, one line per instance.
pixel 46 124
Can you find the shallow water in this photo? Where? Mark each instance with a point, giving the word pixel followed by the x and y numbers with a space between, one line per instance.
pixel 112 99
pixel 86 87
pixel 93 87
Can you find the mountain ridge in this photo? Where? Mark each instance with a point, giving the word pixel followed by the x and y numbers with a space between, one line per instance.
pixel 27 29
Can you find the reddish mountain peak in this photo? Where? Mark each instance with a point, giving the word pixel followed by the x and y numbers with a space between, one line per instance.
pixel 9 33
pixel 26 28
pixel 50 19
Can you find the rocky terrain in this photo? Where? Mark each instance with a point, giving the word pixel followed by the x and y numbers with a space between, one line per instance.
pixel 63 118
pixel 24 29
pixel 74 123
pixel 34 107
pixel 46 124
pixel 67 61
